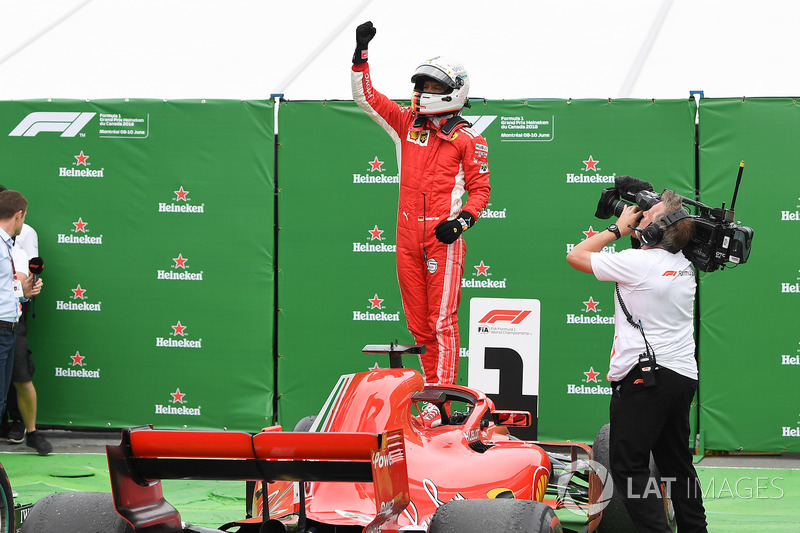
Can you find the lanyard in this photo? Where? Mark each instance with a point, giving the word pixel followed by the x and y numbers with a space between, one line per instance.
pixel 13 269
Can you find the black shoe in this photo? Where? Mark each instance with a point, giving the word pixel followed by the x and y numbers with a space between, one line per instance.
pixel 36 440
pixel 16 433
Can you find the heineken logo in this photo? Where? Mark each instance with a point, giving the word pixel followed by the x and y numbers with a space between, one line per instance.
pixel 376 165
pixel 375 312
pixel 591 232
pixel 172 409
pixel 70 371
pixel 178 271
pixel 178 330
pixel 81 159
pixel 375 234
pixel 73 238
pixel 596 176
pixel 78 293
pixel 589 306
pixel 180 204
pixel 586 388
pixel 480 279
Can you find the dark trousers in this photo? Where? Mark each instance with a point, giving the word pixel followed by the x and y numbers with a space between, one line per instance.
pixel 7 339
pixel 655 419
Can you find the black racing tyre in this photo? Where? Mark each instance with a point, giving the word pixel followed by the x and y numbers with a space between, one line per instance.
pixel 615 517
pixel 76 512
pixel 6 503
pixel 305 423
pixel 482 516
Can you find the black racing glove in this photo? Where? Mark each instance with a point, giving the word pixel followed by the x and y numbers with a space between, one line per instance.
pixel 364 34
pixel 449 230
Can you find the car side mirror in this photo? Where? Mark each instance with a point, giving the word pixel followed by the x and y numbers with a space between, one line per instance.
pixel 512 418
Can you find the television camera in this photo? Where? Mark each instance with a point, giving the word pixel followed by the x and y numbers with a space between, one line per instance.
pixel 718 241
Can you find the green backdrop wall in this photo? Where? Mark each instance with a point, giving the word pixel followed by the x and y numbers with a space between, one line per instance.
pixel 749 339
pixel 549 161
pixel 188 301
pixel 155 221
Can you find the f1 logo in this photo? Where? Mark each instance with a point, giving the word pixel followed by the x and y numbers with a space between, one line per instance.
pixel 501 315
pixel 69 123
pixel 481 122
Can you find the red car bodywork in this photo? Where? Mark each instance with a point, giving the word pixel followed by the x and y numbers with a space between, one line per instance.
pixel 369 460
pixel 468 460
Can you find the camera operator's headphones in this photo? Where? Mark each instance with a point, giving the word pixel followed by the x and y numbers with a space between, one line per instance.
pixel 654 232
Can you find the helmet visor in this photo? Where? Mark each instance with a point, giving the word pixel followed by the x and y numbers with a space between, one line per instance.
pixel 436 74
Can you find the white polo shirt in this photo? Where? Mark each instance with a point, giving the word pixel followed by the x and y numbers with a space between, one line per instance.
pixel 658 289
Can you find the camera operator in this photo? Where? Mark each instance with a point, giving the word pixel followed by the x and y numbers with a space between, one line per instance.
pixel 653 371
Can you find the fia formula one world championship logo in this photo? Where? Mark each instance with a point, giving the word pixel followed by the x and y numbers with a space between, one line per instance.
pixel 504 354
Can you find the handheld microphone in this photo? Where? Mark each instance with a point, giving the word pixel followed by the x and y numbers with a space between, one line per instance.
pixel 36 265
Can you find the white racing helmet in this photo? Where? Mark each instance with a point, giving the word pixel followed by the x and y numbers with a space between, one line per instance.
pixel 452 75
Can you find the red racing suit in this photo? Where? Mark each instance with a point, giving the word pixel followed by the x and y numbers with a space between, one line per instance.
pixel 435 172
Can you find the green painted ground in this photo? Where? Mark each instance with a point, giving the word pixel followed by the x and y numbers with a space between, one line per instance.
pixel 736 499
pixel 204 503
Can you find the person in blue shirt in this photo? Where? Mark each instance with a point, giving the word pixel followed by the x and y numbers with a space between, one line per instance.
pixel 13 208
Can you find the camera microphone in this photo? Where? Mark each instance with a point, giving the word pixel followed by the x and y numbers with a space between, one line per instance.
pixel 631 185
pixel 36 265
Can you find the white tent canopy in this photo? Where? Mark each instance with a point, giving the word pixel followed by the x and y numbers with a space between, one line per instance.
pixel 251 49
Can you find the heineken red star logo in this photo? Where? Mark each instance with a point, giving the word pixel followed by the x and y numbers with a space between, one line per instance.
pixel 591 305
pixel 77 359
pixel 375 233
pixel 591 375
pixel 80 225
pixel 482 269
pixel 178 329
pixel 180 261
pixel 590 233
pixel 376 302
pixel 591 164
pixel 181 194
pixel 81 158
pixel 376 165
pixel 177 396
pixel 78 292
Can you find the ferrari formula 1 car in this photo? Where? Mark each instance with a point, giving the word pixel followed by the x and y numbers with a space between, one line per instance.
pixel 372 460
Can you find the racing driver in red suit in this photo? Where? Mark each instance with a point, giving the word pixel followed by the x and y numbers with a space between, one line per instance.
pixel 440 158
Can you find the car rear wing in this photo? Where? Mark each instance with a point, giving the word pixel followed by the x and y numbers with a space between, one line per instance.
pixel 145 456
